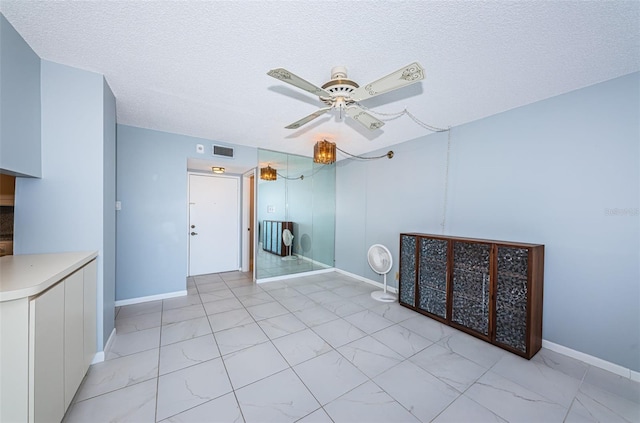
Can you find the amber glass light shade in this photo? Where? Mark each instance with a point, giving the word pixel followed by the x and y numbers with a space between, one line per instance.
pixel 324 152
pixel 268 173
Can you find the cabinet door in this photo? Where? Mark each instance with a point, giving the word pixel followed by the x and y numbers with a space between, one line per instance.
pixel 267 236
pixel 407 283
pixel 46 361
pixel 274 237
pixel 90 314
pixel 511 297
pixel 432 278
pixel 471 287
pixel 73 335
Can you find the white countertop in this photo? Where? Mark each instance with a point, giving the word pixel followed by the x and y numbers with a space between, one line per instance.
pixel 30 274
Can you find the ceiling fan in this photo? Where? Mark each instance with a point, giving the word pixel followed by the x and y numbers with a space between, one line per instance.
pixel 342 93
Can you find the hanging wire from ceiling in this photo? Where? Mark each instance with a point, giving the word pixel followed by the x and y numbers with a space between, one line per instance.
pixel 301 177
pixel 404 112
pixel 388 154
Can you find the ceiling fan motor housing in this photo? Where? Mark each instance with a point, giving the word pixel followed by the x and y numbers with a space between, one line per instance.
pixel 338 72
pixel 340 87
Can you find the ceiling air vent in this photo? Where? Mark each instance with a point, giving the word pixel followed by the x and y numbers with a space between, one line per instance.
pixel 221 151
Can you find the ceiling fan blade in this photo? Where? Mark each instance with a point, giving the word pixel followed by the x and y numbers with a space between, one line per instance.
pixel 293 79
pixel 364 118
pixel 398 79
pixel 306 119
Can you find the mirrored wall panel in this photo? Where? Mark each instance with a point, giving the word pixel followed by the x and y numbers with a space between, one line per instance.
pixel 295 213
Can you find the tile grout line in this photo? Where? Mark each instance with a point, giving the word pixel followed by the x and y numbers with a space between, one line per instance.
pixel 224 364
pixel 155 417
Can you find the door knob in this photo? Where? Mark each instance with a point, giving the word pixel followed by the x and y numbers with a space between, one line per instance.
pixel 194 233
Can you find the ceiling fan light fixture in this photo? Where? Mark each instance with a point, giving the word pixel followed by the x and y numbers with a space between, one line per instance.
pixel 268 173
pixel 217 169
pixel 324 152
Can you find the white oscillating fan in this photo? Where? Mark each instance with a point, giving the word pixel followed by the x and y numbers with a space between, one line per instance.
pixel 380 260
pixel 287 238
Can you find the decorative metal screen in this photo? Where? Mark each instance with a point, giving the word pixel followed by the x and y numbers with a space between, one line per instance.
pixel 432 278
pixel 471 286
pixel 511 297
pixel 407 269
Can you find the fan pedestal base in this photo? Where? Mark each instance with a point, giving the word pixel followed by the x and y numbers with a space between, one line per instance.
pixel 383 296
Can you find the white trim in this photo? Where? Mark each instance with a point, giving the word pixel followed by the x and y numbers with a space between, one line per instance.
pixel 589 359
pixel 593 361
pixel 367 280
pixel 100 355
pixel 138 300
pixel 98 358
pixel 244 230
pixel 295 275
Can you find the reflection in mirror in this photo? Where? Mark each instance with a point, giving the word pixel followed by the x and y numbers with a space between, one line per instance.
pixel 299 203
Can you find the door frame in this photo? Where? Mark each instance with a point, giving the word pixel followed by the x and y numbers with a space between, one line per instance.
pixel 240 218
pixel 246 213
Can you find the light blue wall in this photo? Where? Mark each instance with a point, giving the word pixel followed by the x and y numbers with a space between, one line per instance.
pixel 65 210
pixel 300 203
pixel 271 193
pixel 544 173
pixel 152 226
pixel 324 214
pixel 377 200
pixel 19 104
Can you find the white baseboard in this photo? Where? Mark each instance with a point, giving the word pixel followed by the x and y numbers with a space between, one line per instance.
pixel 138 300
pixel 98 358
pixel 367 280
pixel 294 275
pixel 591 360
pixel 100 355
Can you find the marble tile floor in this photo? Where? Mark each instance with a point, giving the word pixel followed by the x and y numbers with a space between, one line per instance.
pixel 319 349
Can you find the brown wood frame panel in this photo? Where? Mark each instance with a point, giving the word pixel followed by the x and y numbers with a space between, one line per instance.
pixel 535 276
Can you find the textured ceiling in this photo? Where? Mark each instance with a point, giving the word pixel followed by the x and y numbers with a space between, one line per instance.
pixel 199 67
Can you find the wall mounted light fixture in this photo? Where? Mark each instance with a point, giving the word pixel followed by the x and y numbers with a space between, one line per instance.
pixel 268 173
pixel 324 152
pixel 217 169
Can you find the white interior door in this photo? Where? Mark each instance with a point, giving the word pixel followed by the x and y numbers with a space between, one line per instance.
pixel 214 224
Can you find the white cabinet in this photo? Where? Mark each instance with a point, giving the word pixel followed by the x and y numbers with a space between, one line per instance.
pixel 47 334
pixel 14 360
pixel 90 276
pixel 46 339
pixel 73 334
